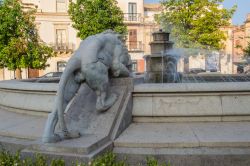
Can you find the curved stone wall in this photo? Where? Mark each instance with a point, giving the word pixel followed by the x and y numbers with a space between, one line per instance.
pixel 27 96
pixel 192 100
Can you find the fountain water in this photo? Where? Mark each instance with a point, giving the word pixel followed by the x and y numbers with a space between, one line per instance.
pixel 161 65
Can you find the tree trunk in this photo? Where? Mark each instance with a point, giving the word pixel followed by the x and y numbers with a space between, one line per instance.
pixel 18 74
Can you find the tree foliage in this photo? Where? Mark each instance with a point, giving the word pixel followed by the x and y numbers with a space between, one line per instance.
pixel 94 16
pixel 247 50
pixel 195 23
pixel 20 46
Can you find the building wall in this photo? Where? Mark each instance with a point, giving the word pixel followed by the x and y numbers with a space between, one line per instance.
pixel 49 20
pixel 123 4
pixel 226 56
pixel 197 62
pixel 144 25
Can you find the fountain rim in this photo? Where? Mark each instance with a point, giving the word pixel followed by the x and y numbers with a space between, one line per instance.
pixel 192 87
pixel 28 86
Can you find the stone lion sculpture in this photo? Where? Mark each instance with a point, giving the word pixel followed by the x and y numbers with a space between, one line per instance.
pixel 97 57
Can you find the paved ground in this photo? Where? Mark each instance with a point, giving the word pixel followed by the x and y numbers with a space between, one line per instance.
pixel 21 125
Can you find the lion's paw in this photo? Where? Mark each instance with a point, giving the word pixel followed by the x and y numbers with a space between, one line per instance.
pixel 51 139
pixel 71 135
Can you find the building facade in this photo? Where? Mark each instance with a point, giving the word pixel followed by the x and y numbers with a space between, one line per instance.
pixel 237 39
pixel 227 60
pixel 55 29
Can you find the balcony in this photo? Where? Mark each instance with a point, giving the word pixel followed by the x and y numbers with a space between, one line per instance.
pixel 134 46
pixel 132 17
pixel 63 47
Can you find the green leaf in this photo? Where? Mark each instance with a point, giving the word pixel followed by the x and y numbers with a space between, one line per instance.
pixel 19 39
pixel 195 23
pixel 94 16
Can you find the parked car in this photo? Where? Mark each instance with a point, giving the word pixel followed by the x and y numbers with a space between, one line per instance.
pixel 240 69
pixel 52 75
pixel 213 70
pixel 196 70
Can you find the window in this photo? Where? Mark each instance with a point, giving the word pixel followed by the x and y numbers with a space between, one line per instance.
pixel 132 11
pixel 134 66
pixel 132 39
pixel 61 6
pixel 61 66
pixel 61 38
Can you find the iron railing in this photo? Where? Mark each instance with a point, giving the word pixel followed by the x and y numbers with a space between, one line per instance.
pixel 63 47
pixel 134 45
pixel 132 17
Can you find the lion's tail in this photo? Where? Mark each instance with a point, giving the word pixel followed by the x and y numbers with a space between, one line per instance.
pixel 73 66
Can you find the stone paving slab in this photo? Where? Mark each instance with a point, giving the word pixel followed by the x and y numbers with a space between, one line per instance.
pixel 18 125
pixel 157 136
pixel 178 135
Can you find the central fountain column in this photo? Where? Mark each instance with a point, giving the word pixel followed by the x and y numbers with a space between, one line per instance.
pixel 161 67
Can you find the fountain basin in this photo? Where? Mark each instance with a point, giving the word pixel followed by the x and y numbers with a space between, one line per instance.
pixel 212 101
pixel 27 97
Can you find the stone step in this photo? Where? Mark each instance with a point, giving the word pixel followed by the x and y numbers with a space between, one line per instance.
pixel 185 135
pixel 86 144
pixel 172 119
pixel 186 144
pixel 70 155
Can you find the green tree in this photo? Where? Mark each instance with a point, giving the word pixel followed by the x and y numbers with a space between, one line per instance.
pixel 195 23
pixel 20 46
pixel 94 16
pixel 247 50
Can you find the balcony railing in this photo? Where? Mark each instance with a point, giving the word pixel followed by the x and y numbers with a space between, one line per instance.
pixel 132 17
pixel 134 46
pixel 63 47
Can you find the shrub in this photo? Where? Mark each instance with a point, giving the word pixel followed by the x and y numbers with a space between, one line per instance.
pixel 108 159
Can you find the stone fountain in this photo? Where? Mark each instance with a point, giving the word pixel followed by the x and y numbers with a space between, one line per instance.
pixel 161 66
pixel 185 124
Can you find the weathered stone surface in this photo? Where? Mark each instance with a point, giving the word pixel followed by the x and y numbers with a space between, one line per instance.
pixel 98 130
pixel 159 119
pixel 222 134
pixel 193 87
pixel 14 144
pixel 125 117
pixel 143 106
pixel 182 135
pixel 82 115
pixel 191 100
pixel 236 104
pixel 143 135
pixel 186 106
pixel 21 125
pixel 27 97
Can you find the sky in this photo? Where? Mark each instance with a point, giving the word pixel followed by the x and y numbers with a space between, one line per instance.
pixel 240 14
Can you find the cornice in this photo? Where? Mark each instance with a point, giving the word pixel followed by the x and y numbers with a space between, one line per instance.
pixel 51 14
